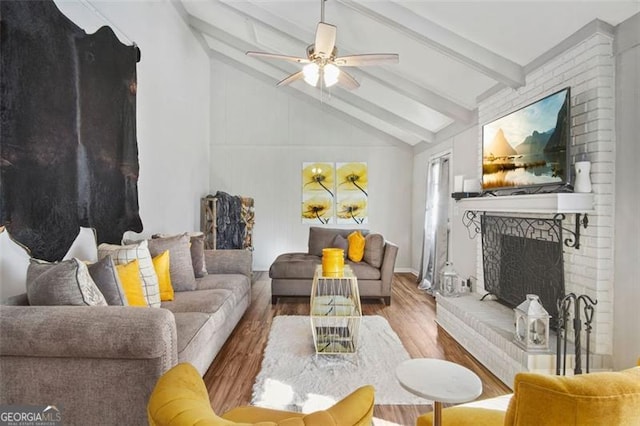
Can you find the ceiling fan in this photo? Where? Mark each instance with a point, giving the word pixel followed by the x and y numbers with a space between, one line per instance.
pixel 322 63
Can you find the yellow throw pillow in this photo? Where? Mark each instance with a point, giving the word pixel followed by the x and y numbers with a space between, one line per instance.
pixel 356 246
pixel 161 265
pixel 129 274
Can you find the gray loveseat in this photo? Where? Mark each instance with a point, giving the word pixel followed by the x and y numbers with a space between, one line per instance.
pixel 98 364
pixel 292 273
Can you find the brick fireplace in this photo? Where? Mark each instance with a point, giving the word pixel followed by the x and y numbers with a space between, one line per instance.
pixel 485 328
pixel 585 62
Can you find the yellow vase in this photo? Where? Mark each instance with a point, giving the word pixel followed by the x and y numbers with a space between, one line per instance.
pixel 332 262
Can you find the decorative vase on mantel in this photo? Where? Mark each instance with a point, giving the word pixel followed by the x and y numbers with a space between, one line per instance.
pixel 583 180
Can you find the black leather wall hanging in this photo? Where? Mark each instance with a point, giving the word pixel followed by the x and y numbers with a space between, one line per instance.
pixel 68 153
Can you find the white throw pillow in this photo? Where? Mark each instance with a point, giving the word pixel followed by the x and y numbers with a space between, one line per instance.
pixel 124 254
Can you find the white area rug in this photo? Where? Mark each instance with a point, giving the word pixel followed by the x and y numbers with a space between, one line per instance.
pixel 294 378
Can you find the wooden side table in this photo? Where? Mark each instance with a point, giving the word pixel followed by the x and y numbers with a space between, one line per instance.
pixel 440 381
pixel 335 312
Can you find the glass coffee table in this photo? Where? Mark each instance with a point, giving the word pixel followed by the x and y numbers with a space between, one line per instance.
pixel 335 312
pixel 440 381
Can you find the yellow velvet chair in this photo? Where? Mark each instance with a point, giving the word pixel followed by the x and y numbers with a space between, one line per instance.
pixel 180 398
pixel 608 398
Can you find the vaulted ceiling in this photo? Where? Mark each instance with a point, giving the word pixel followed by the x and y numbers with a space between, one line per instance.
pixel 451 52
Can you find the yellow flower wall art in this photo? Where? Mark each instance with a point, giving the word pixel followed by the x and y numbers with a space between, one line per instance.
pixel 352 187
pixel 352 177
pixel 317 209
pixel 352 209
pixel 318 177
pixel 335 193
pixel 318 192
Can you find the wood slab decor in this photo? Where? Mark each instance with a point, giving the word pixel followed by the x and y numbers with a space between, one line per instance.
pixel 69 155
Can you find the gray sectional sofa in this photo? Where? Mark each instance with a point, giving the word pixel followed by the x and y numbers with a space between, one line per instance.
pixel 292 273
pixel 99 364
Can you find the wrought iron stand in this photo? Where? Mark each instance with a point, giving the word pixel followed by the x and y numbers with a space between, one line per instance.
pixel 564 308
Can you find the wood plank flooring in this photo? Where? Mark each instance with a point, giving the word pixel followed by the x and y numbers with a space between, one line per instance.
pixel 411 315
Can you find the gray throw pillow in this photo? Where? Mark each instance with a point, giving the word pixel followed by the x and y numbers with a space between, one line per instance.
pixel 106 277
pixel 62 283
pixel 197 251
pixel 180 264
pixel 197 255
pixel 340 242
pixel 373 250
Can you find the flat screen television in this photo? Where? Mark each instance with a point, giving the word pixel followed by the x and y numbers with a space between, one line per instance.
pixel 526 151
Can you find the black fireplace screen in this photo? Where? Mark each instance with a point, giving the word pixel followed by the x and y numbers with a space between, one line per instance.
pixel 523 256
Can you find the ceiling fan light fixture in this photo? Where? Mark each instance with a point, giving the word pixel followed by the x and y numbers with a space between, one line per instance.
pixel 323 62
pixel 330 74
pixel 311 73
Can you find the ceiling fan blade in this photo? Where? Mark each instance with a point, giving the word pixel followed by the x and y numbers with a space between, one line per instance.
pixel 277 56
pixel 290 79
pixel 367 59
pixel 347 81
pixel 325 40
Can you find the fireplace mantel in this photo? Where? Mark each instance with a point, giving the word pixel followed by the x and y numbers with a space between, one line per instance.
pixel 557 204
pixel 551 203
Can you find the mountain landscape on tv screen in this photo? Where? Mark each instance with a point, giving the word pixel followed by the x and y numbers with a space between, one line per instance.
pixel 535 142
pixel 551 140
pixel 557 140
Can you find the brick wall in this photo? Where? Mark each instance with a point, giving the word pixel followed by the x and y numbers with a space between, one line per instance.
pixel 588 67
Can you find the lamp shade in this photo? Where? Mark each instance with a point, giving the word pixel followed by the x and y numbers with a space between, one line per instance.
pixel 311 73
pixel 330 74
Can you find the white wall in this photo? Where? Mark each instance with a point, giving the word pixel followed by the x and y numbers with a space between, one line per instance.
pixel 626 338
pixel 462 249
pixel 261 135
pixel 172 107
pixel 463 240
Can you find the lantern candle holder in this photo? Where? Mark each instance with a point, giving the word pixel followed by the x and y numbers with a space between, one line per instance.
pixel 532 325
pixel 449 281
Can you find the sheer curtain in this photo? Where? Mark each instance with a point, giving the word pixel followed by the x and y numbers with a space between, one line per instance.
pixel 436 224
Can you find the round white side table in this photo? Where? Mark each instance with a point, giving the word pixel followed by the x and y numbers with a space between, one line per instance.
pixel 440 381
